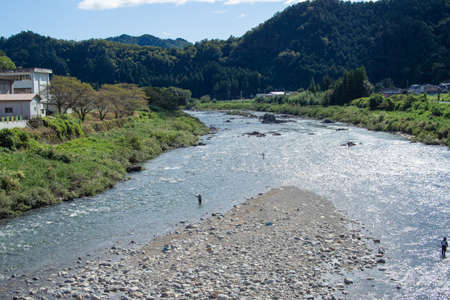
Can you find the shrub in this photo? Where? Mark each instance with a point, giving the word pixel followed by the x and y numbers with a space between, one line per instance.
pixel 65 126
pixel 37 197
pixel 14 138
pixel 375 101
pixel 5 205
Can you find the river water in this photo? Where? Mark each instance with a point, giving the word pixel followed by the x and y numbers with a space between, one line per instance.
pixel 398 190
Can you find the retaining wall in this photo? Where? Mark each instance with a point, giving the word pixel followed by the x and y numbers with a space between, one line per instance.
pixel 13 124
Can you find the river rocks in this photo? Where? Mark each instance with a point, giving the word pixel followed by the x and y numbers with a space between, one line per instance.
pixel 255 133
pixel 236 255
pixel 348 144
pixel 270 118
pixel 348 281
pixel 134 168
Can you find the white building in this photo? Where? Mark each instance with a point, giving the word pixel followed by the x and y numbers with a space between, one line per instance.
pixel 24 93
pixel 20 107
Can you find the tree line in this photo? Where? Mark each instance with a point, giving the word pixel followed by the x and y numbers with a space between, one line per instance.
pixel 398 41
pixel 70 94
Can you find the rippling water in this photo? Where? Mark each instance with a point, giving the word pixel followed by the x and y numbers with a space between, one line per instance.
pixel 398 190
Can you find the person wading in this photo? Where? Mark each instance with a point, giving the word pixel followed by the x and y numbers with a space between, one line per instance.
pixel 199 197
pixel 444 246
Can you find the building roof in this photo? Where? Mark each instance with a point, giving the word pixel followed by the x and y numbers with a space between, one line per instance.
pixel 28 70
pixel 7 74
pixel 18 97
pixel 392 90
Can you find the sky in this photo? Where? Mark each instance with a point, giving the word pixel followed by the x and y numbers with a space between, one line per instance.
pixel 193 20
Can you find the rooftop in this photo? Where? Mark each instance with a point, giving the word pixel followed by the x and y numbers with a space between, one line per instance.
pixel 17 97
pixel 6 74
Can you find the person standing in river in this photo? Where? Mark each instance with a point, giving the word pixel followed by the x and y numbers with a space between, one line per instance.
pixel 444 246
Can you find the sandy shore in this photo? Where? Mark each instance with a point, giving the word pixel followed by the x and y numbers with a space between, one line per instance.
pixel 281 245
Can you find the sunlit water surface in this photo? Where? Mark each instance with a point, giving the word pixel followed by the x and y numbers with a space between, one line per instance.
pixel 398 190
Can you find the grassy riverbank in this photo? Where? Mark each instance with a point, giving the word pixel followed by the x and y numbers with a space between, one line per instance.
pixel 426 122
pixel 34 173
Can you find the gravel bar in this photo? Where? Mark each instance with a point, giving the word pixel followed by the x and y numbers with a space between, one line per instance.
pixel 280 245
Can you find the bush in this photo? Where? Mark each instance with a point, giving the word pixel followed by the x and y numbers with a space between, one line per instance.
pixel 14 138
pixel 65 126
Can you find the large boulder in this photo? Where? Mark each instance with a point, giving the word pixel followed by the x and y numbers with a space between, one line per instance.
pixel 269 118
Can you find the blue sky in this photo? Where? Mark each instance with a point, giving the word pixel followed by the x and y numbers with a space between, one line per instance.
pixel 193 20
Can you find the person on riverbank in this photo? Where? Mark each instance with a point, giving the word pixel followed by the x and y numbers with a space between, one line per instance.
pixel 444 246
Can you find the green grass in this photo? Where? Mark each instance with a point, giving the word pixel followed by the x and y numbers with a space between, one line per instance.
pixel 444 97
pixel 43 174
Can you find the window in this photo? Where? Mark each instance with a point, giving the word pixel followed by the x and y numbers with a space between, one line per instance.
pixel 22 91
pixel 8 110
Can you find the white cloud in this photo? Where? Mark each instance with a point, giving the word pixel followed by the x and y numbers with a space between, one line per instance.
pixel 111 4
pixel 242 16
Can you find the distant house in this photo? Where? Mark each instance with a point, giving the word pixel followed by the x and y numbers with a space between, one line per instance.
pixel 20 106
pixel 24 93
pixel 277 93
pixel 416 89
pixel 391 91
pixel 271 94
pixel 431 89
pixel 425 88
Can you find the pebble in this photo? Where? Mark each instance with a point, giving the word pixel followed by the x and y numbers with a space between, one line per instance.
pixel 232 256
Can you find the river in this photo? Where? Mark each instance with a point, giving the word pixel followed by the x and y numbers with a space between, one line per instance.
pixel 398 190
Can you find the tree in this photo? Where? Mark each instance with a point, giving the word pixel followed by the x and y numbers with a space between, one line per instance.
pixel 102 102
pixel 6 63
pixel 162 98
pixel 133 98
pixel 312 86
pixel 65 92
pixel 354 84
pixel 326 82
pixel 184 96
pixel 85 101
pixel 122 99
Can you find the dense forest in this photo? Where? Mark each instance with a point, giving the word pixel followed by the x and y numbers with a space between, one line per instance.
pixel 405 41
pixel 149 40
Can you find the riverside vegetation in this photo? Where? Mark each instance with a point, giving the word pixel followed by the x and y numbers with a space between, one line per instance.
pixel 420 116
pixel 64 159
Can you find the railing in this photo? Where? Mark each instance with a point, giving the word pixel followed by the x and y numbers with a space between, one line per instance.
pixel 12 118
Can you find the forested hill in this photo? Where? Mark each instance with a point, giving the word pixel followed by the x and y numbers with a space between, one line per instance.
pixel 149 40
pixel 405 40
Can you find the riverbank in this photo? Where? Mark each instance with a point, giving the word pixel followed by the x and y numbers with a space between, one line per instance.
pixel 418 127
pixel 282 244
pixel 39 174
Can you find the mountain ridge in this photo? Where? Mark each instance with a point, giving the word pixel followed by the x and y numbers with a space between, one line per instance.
pixel 149 40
